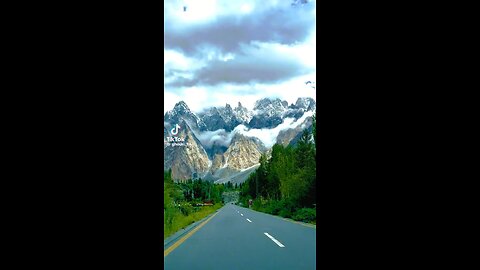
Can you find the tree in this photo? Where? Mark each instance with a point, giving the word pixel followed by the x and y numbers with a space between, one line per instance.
pixel 305 162
pixel 314 128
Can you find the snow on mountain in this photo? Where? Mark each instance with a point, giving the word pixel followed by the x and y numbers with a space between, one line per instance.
pixel 268 107
pixel 182 112
pixel 242 114
pixel 223 142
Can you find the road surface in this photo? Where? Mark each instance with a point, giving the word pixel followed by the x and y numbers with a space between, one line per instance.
pixel 240 238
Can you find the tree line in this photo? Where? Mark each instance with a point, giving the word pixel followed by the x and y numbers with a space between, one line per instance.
pixel 183 201
pixel 285 183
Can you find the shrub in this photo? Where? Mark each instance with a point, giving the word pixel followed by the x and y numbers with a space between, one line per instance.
pixel 287 207
pixel 273 207
pixel 186 209
pixel 257 205
pixel 286 213
pixel 305 215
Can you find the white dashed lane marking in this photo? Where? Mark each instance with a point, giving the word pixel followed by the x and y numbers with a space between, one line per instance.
pixel 249 220
pixel 274 240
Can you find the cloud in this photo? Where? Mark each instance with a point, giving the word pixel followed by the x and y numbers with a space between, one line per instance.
pixel 257 63
pixel 222 51
pixel 227 28
pixel 269 136
pixel 219 137
pixel 202 97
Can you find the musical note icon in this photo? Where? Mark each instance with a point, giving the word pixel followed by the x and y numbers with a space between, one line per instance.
pixel 174 130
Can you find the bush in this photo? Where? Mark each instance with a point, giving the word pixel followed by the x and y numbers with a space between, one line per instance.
pixel 257 205
pixel 287 208
pixel 305 215
pixel 273 207
pixel 186 209
pixel 286 213
pixel 169 215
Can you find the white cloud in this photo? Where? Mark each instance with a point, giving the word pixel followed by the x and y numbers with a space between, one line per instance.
pixel 219 137
pixel 246 8
pixel 205 11
pixel 196 11
pixel 200 98
pixel 269 136
pixel 179 66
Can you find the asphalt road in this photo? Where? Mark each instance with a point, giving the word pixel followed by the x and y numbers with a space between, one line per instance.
pixel 252 241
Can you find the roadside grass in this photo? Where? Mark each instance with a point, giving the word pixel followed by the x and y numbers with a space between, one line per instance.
pixel 179 221
pixel 286 209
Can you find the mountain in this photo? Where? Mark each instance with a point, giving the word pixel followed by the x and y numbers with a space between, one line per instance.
pixel 182 112
pixel 186 158
pixel 215 145
pixel 225 117
pixel 268 113
pixel 242 114
pixel 244 152
pixel 292 135
pixel 308 104
pixel 219 118
pixel 300 107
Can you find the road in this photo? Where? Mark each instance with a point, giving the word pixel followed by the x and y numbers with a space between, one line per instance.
pixel 240 238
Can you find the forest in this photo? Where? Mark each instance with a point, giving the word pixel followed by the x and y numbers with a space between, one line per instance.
pixel 285 183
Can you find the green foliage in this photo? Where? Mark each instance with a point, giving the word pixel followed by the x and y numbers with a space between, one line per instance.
pixel 287 181
pixel 273 207
pixel 181 221
pixel 285 213
pixel 186 209
pixel 257 205
pixel 180 200
pixel 305 215
pixel 314 128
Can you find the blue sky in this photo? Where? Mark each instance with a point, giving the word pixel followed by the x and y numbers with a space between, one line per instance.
pixel 220 51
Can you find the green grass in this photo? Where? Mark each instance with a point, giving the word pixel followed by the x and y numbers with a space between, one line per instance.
pixel 180 221
pixel 286 209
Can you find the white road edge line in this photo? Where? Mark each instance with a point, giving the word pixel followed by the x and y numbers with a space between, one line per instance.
pixel 274 240
pixel 249 220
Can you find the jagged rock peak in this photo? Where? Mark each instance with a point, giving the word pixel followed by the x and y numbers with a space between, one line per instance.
pixel 181 105
pixel 267 102
pixel 304 102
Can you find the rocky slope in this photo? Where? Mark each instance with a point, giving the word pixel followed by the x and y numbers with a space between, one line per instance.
pixel 186 156
pixel 215 150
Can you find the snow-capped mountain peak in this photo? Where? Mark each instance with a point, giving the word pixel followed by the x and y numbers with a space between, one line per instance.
pixel 214 147
pixel 270 107
pixel 305 103
pixel 242 114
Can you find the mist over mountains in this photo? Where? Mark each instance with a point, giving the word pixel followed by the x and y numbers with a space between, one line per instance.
pixel 224 144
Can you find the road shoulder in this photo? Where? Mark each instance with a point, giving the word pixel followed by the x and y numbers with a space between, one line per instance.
pixel 286 219
pixel 169 241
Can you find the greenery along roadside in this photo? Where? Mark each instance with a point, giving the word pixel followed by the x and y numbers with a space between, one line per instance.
pixel 189 201
pixel 285 184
